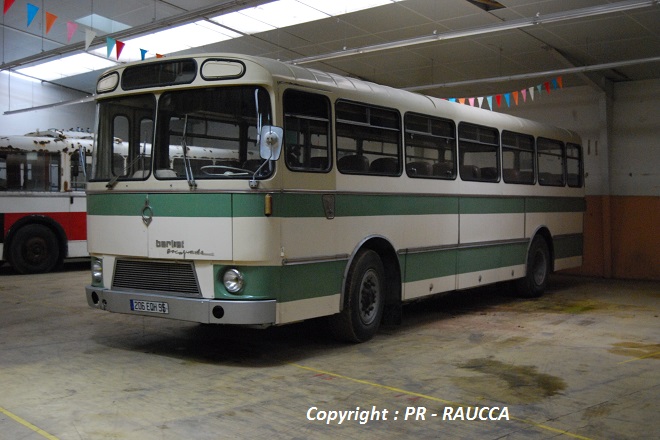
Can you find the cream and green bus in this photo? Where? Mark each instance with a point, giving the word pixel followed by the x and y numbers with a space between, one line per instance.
pixel 249 191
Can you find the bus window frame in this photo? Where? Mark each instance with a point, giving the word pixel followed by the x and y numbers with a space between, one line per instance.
pixel 532 151
pixel 461 153
pixel 542 181
pixel 453 149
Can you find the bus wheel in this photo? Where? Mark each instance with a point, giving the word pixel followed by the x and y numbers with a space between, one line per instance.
pixel 34 249
pixel 538 269
pixel 362 313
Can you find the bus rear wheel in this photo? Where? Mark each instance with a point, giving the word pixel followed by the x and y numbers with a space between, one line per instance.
pixel 34 249
pixel 365 291
pixel 538 269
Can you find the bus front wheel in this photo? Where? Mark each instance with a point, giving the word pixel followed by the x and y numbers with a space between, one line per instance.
pixel 538 269
pixel 365 291
pixel 34 249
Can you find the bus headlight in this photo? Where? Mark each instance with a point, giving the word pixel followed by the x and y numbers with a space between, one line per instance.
pixel 233 280
pixel 97 272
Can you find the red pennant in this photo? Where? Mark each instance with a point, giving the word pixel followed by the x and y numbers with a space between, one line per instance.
pixel 547 86
pixel 498 98
pixel 50 19
pixel 8 4
pixel 120 47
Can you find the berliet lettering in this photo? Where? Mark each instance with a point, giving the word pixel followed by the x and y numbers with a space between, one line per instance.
pixel 177 248
pixel 170 244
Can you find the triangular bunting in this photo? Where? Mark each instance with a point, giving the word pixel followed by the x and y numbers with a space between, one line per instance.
pixel 515 97
pixel 452 99
pixel 461 100
pixel 531 93
pixel 120 47
pixel 8 4
pixel 560 82
pixel 547 86
pixel 555 85
pixel 71 29
pixel 160 56
pixel 50 19
pixel 539 88
pixel 507 98
pixel 489 99
pixel 471 101
pixel 498 98
pixel 143 53
pixel 524 93
pixel 480 100
pixel 110 43
pixel 31 13
pixel 89 38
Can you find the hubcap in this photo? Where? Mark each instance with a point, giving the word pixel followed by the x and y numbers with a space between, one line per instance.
pixel 369 297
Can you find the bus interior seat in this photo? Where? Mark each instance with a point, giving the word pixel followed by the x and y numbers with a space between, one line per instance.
pixel 470 172
pixel 318 163
pixel 418 168
pixel 443 169
pixel 385 165
pixel 353 162
pixel 489 173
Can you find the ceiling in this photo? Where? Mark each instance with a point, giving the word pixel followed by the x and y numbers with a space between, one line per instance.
pixel 389 44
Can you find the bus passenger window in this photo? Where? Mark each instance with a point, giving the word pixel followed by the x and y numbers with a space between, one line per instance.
pixel 478 148
pixel 307 131
pixel 550 156
pixel 430 147
pixel 574 165
pixel 517 158
pixel 368 139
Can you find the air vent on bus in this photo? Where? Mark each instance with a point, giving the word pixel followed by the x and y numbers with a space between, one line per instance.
pixel 176 278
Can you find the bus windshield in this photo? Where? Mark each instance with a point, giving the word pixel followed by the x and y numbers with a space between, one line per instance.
pixel 208 133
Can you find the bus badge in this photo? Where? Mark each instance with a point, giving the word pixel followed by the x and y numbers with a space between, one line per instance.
pixel 147 212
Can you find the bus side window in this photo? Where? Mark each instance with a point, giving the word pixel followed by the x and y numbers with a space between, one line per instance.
pixel 479 153
pixel 517 158
pixel 430 147
pixel 550 156
pixel 368 139
pixel 307 131
pixel 574 165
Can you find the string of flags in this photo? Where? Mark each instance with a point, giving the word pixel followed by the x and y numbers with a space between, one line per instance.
pixel 515 96
pixel 112 44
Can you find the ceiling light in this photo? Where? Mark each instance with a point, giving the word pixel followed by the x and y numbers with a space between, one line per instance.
pixel 67 66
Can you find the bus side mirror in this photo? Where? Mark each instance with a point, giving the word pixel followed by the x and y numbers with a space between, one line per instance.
pixel 270 145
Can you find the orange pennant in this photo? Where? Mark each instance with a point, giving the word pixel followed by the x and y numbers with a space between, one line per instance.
pixel 515 97
pixel 50 19
pixel 560 82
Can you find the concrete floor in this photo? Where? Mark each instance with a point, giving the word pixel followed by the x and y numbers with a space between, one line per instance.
pixel 580 362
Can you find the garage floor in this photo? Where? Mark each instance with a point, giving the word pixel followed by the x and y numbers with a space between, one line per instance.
pixel 581 362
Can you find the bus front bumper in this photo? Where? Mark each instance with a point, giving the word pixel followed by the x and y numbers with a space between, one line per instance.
pixel 202 310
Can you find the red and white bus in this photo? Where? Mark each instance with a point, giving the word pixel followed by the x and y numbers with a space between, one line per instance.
pixel 42 198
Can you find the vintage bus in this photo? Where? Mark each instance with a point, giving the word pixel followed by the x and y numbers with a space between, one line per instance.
pixel 42 198
pixel 298 194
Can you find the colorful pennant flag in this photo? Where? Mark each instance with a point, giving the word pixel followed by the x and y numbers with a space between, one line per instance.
pixel 71 28
pixel 120 47
pixel 507 98
pixel 490 102
pixel 498 98
pixel 480 100
pixel 110 43
pixel 50 20
pixel 8 4
pixel 524 94
pixel 31 13
pixel 89 38
pixel 515 97
pixel 143 53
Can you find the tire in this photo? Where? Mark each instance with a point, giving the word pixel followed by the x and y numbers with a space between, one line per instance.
pixel 365 297
pixel 538 269
pixel 34 249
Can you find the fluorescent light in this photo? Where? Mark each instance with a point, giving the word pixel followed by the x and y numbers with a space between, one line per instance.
pixel 284 13
pixel 67 66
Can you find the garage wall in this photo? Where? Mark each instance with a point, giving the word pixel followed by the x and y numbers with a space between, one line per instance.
pixel 17 93
pixel 621 140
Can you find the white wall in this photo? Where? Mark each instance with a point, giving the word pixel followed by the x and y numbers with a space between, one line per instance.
pixel 17 93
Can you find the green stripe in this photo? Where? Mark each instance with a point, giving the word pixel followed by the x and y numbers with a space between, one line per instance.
pixel 492 205
pixel 568 246
pixel 555 204
pixel 162 205
pixel 491 257
pixel 285 283
pixel 428 265
pixel 289 205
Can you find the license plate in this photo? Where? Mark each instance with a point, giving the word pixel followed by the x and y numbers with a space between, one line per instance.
pixel 149 306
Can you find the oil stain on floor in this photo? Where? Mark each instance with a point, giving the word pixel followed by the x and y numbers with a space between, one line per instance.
pixel 507 383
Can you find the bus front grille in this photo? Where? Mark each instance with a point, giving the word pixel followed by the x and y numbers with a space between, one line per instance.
pixel 154 276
